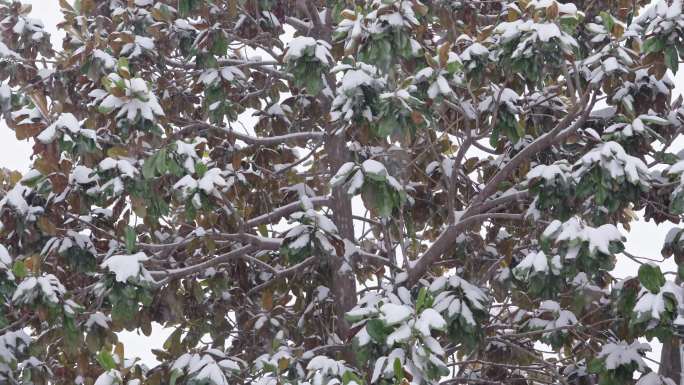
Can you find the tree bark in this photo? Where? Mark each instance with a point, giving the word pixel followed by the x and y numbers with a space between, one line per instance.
pixel 671 360
pixel 343 281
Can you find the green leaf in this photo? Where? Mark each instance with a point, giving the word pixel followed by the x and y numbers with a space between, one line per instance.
pixel 420 302
pixel 149 167
pixel 220 45
pixel 19 269
pixel 200 169
pixel 106 360
pixel 175 374
pixel 183 7
pixel 653 44
pixel 607 20
pixel 398 370
pixel 263 230
pixel 385 127
pixel 651 277
pixel 122 67
pixel 377 331
pixel 666 157
pixel 160 162
pixel 130 239
pixel 351 377
pixel 595 366
pixel 672 58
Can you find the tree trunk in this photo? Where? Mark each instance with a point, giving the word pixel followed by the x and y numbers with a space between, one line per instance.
pixel 670 359
pixel 343 281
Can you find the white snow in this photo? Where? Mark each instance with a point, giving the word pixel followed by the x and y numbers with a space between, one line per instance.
pixel 429 319
pixel 342 174
pixel 110 377
pixel 394 314
pixel 547 31
pixel 610 64
pixel 127 266
pixel 550 316
pixel 124 166
pixel 5 258
pixel 533 262
pixel 46 286
pixel 65 121
pixel 107 60
pixel 371 166
pixel 211 181
pixel 6 52
pixel 15 199
pixel 654 378
pixel 301 45
pixel 99 319
pixel 622 353
pixel 401 334
pixel 82 175
pixel 599 238
pixel 560 169
pixel 653 305
pixel 139 100
pixel 474 50
pixel 461 308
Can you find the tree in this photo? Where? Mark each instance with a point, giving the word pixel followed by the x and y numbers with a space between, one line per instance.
pixel 355 192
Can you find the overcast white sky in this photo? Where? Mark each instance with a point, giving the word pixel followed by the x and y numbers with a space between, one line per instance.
pixel 645 239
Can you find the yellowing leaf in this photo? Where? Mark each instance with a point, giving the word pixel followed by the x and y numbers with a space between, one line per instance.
pixel 444 50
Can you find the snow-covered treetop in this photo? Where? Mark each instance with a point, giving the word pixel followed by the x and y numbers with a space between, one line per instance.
pixel 309 192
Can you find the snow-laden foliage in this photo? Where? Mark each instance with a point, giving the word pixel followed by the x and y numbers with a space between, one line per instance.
pixel 394 192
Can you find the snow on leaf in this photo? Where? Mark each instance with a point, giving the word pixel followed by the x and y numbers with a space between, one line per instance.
pixel 304 45
pixel 533 263
pixel 342 174
pixel 401 334
pixel 65 121
pixel 429 319
pixel 612 158
pixel 654 378
pixel 355 183
pixel 82 175
pixel 550 316
pixel 549 173
pixel 547 31
pixel 374 167
pixel 300 242
pixel 598 238
pixel 5 258
pixel 622 353
pixel 326 365
pixel 46 287
pixel 6 52
pixel 111 377
pixel 460 308
pixel 378 368
pixel 474 50
pixel 98 319
pixel 212 372
pixel 127 266
pixel 15 199
pixel 393 314
pixel 652 305
pixel 138 100
pixel 212 181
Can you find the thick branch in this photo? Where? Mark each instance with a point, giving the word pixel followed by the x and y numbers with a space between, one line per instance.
pixel 561 131
pixel 284 211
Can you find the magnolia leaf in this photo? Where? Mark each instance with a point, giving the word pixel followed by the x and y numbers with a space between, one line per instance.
pixel 651 277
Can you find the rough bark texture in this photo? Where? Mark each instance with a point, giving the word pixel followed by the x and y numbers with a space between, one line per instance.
pixel 343 285
pixel 671 360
